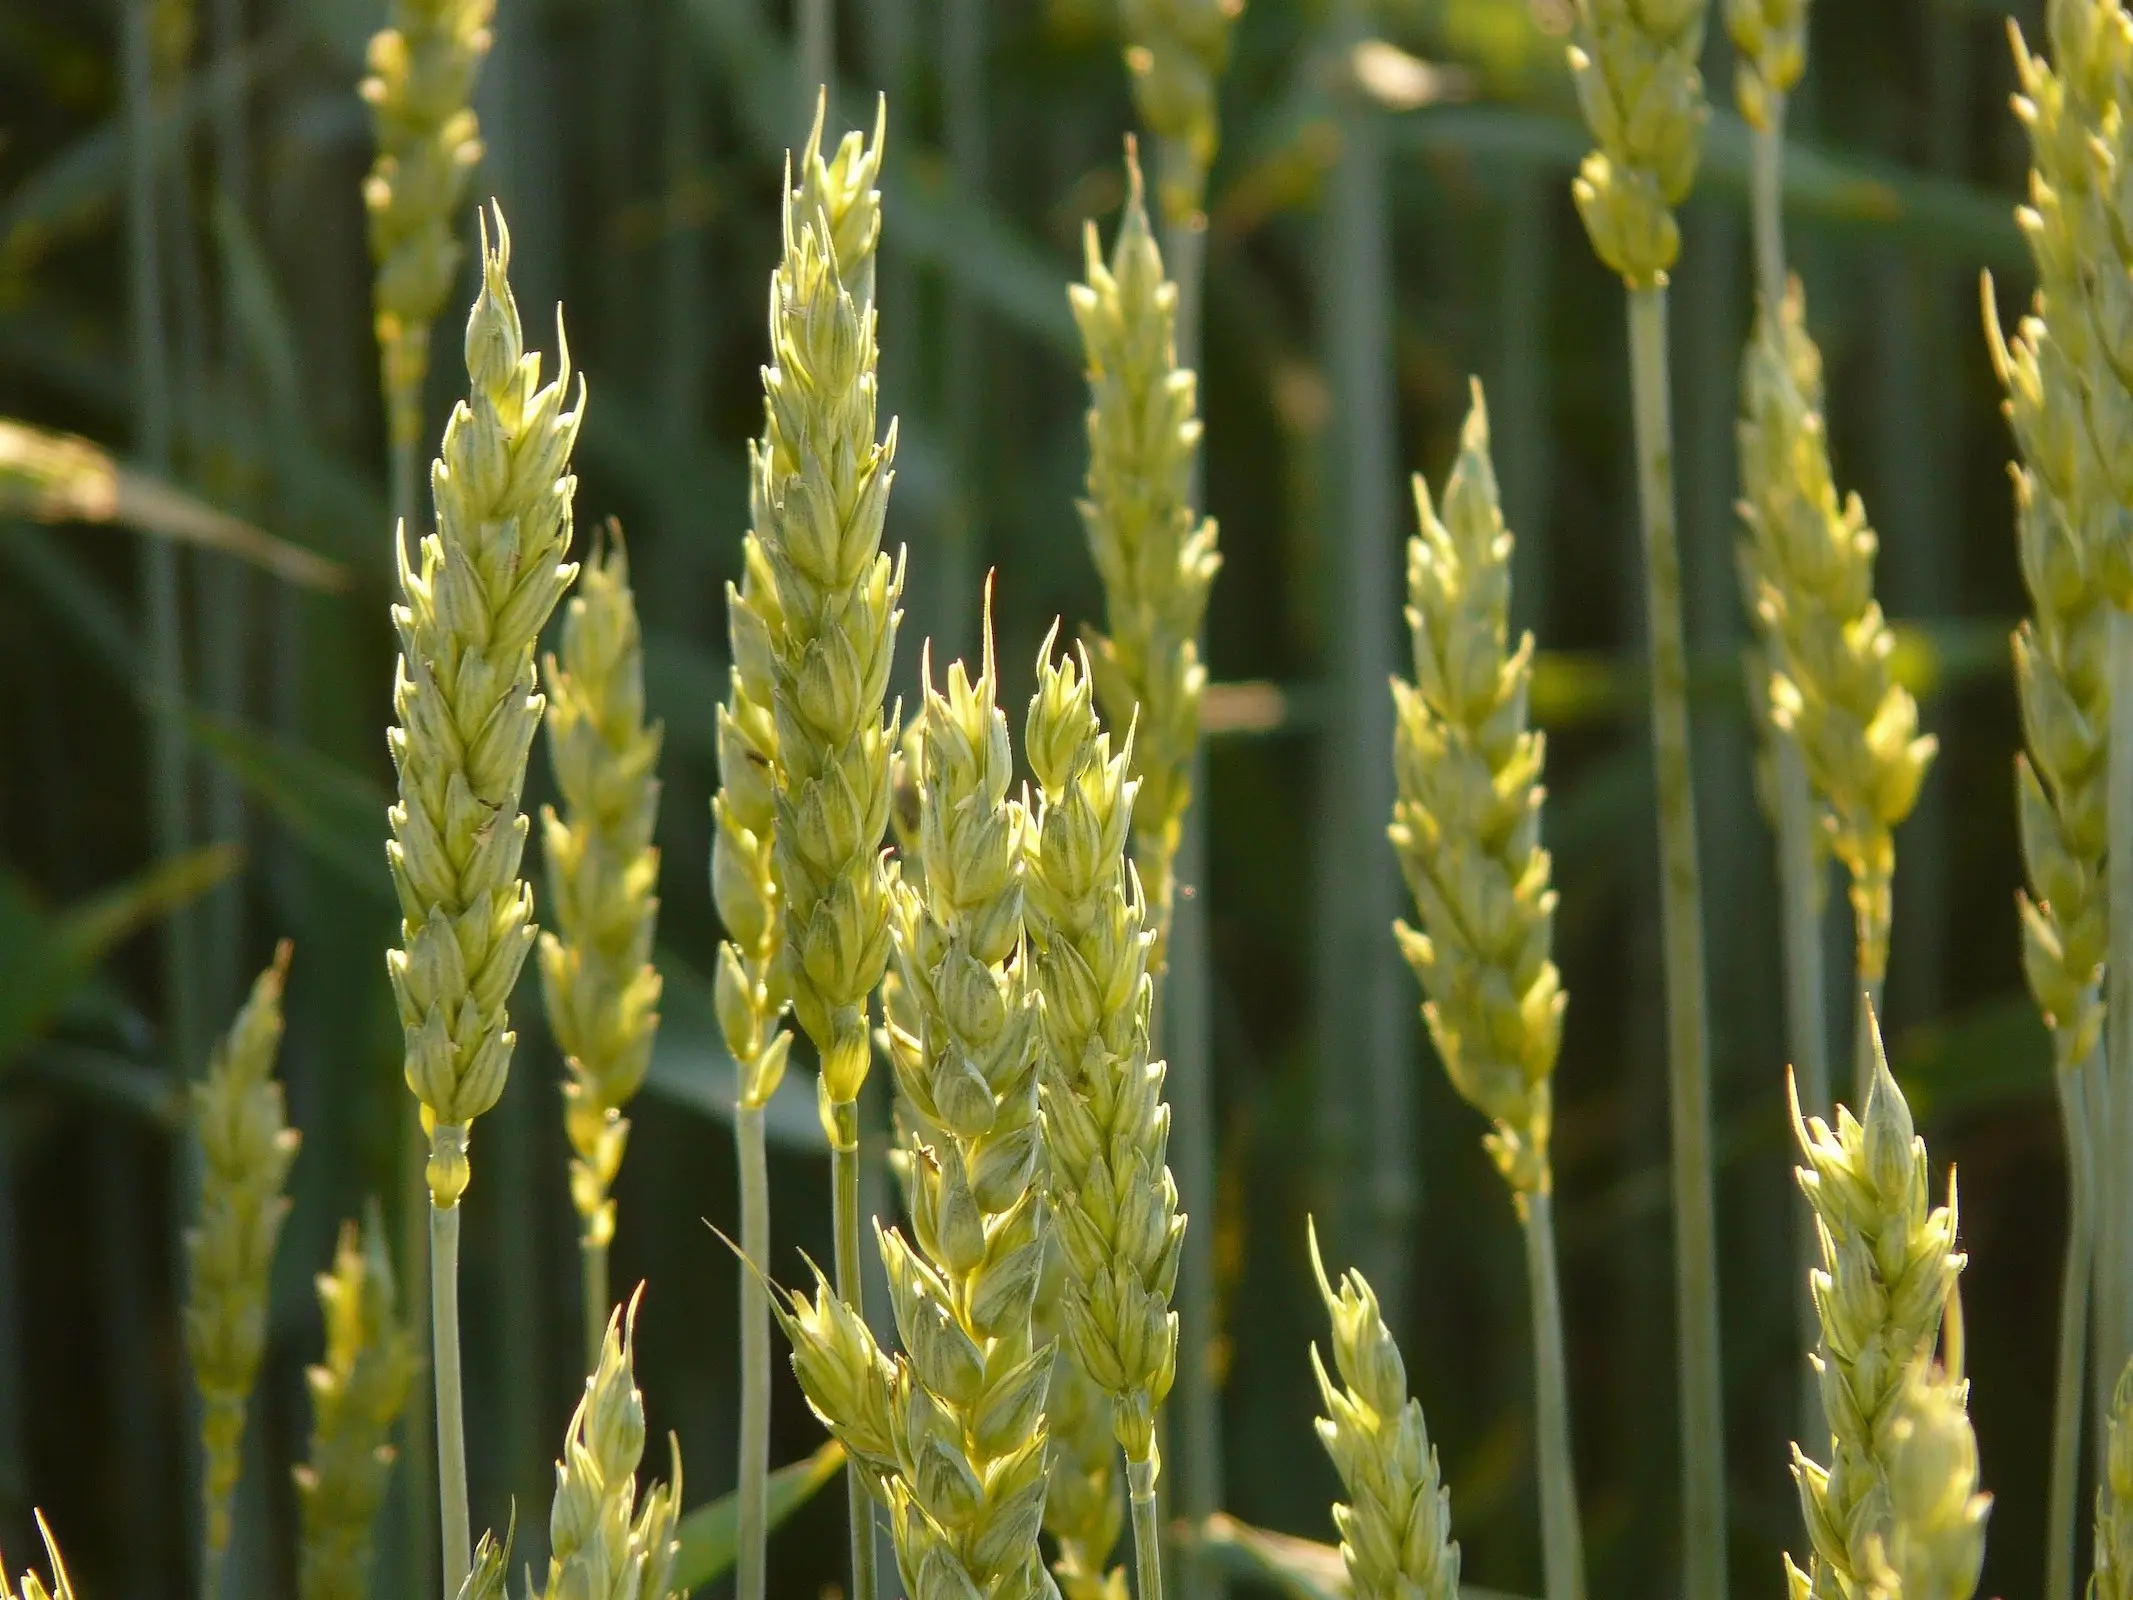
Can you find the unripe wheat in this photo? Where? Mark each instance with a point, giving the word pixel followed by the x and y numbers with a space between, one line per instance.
pixel 1637 81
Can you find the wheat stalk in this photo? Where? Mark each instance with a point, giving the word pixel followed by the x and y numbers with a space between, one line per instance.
pixel 1889 1266
pixel 246 1149
pixel 420 92
pixel 605 1541
pixel 1806 565
pixel 467 705
pixel 597 977
pixel 1466 827
pixel 357 1394
pixel 32 1587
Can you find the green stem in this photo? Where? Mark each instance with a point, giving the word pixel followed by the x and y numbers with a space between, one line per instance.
pixel 2114 1277
pixel 1562 1544
pixel 750 1561
pixel 417 1429
pixel 851 1281
pixel 451 1415
pixel 1147 1542
pixel 1681 929
pixel 1766 203
pixel 816 57
pixel 2067 1396
pixel 597 1302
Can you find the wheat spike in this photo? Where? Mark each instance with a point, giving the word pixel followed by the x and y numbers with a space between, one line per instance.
pixel 1176 51
pixel 1889 1265
pixel 357 1393
pixel 597 975
pixel 1635 69
pixel 1396 1529
pixel 465 695
pixel 1936 1539
pixel 1770 54
pixel 32 1587
pixel 246 1148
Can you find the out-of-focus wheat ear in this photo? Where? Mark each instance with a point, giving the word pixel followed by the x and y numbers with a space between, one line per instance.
pixel 32 1587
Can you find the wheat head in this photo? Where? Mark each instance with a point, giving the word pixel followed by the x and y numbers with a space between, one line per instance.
pixel 32 1587
pixel 1176 51
pixel 467 704
pixel 1770 54
pixel 1936 1539
pixel 246 1148
pixel 1085 1507
pixel 1634 66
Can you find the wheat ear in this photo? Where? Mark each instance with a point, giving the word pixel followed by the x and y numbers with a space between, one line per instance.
pixel 1107 1129
pixel 420 91
pixel 2114 1499
pixel 1396 1530
pixel 1176 51
pixel 467 704
pixel 246 1148
pixel 1807 571
pixel 1889 1266
pixel 1466 827
pixel 1085 1507
pixel 607 1542
pixel 597 977
pixel 1935 1543
pixel 357 1394
pixel 32 1587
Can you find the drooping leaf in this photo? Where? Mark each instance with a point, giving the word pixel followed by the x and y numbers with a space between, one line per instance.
pixel 710 1533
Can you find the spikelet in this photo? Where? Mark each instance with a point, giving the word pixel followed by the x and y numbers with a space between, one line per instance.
pixel 1936 1539
pixel 420 92
pixel 357 1394
pixel 1396 1532
pixel 605 1542
pixel 1466 822
pixel 1085 1507
pixel 1176 51
pixel 1637 81
pixel 597 977
pixel 485 1577
pixel 1889 1265
pixel 1770 54
pixel 820 488
pixel 33 1587
pixel 246 1148
pixel 1807 574
pixel 1114 1204
pixel 2114 1499
pixel 466 698
pixel 1156 559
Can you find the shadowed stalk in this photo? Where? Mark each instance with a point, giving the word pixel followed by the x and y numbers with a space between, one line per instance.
pixel 1147 1542
pixel 1681 932
pixel 815 55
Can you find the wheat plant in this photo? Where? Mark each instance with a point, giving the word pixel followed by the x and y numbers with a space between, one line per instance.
pixel 32 1587
pixel 246 1148
pixel 1936 1539
pixel 2114 1498
pixel 1466 827
pixel 467 705
pixel 597 977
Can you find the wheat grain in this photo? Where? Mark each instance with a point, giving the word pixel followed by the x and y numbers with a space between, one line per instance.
pixel 357 1394
pixel 1637 81
pixel 597 977
pixel 31 1586
pixel 246 1149
pixel 607 1542
pixel 1806 566
pixel 1156 558
pixel 1396 1530
pixel 1889 1266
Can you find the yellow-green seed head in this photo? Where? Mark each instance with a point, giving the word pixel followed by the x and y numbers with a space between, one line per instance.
pixel 420 91
pixel 1107 1130
pixel 844 1374
pixel 1935 1544
pixel 2114 1499
pixel 1770 51
pixel 467 702
pixel 246 1147
pixel 597 976
pixel 1466 823
pixel 1156 558
pixel 32 1587
pixel 357 1394
pixel 1807 572
pixel 485 1576
pixel 1396 1530
pixel 821 488
pixel 1889 1265
pixel 1635 70
pixel 1176 51
pixel 604 1543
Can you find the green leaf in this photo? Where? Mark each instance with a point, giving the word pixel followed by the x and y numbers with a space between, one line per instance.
pixel 709 1533
pixel 1302 1569
pixel 335 813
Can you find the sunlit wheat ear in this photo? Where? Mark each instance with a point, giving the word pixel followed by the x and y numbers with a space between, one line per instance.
pixel 1934 1545
pixel 1176 51
pixel 1157 559
pixel 607 1542
pixel 1807 574
pixel 420 91
pixel 1466 823
pixel 32 1587
pixel 597 977
pixel 1889 1264
pixel 474 597
pixel 246 1148
pixel 1634 66
pixel 357 1394
pixel 1085 1507
pixel 1396 1529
